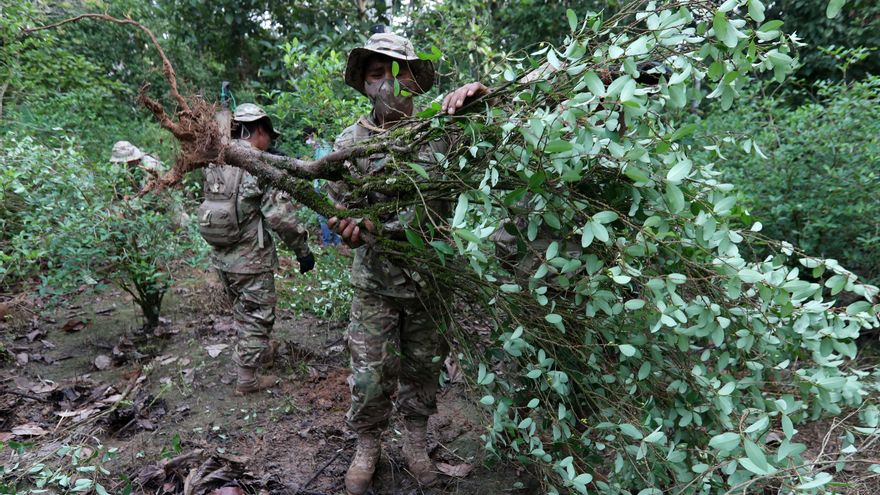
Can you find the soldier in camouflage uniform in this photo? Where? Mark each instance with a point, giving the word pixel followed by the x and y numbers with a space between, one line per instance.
pixel 395 332
pixel 131 155
pixel 236 219
pixel 140 169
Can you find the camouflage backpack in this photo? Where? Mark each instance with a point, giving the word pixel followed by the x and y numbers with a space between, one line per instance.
pixel 219 218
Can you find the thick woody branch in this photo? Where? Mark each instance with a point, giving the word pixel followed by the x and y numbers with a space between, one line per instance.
pixel 329 167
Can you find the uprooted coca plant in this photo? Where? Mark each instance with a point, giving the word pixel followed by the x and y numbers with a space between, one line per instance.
pixel 636 342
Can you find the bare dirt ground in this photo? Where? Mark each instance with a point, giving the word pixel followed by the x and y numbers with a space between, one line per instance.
pixel 85 396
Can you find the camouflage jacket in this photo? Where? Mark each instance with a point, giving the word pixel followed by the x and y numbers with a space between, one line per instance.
pixel 371 271
pixel 255 253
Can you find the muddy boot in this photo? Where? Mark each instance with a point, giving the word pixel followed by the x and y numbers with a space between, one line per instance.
pixel 360 473
pixel 267 358
pixel 415 451
pixel 249 381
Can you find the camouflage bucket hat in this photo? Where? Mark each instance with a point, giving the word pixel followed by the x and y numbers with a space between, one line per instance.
pixel 249 112
pixel 123 151
pixel 396 47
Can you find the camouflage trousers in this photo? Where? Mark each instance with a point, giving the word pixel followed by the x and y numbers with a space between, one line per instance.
pixel 394 344
pixel 253 309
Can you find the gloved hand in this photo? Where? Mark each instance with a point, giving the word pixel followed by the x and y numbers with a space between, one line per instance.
pixel 306 263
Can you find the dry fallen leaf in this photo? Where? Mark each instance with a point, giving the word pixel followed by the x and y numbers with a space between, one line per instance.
pixel 23 383
pixel 43 387
pixel 453 370
pixel 224 326
pixel 215 350
pixel 134 374
pixel 456 471
pixel 28 430
pixel 22 358
pixel 102 362
pixel 5 436
pixel 73 325
pixel 78 415
pixel 166 360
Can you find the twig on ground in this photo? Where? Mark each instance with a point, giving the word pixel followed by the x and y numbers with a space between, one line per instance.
pixel 299 491
pixel 26 396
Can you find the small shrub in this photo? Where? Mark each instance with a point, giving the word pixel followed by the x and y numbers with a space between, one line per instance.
pixel 70 223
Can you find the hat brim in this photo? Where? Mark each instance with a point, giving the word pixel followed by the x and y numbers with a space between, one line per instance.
pixel 272 132
pixel 422 70
pixel 137 156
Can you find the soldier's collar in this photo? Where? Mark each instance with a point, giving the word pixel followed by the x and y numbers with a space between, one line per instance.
pixel 245 143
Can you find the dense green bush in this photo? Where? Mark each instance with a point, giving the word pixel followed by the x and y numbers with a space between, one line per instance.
pixel 856 25
pixel 70 223
pixel 638 347
pixel 811 173
pixel 315 95
pixel 53 88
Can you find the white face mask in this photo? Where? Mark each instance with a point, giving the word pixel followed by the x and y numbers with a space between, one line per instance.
pixel 386 104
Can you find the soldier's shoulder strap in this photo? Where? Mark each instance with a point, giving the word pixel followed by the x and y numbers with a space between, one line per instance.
pixel 222 182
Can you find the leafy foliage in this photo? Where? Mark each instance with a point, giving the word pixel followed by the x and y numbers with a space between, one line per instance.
pixel 70 469
pixel 78 83
pixel 636 345
pixel 70 223
pixel 243 35
pixel 795 166
pixel 314 95
pixel 857 25
pixel 325 291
